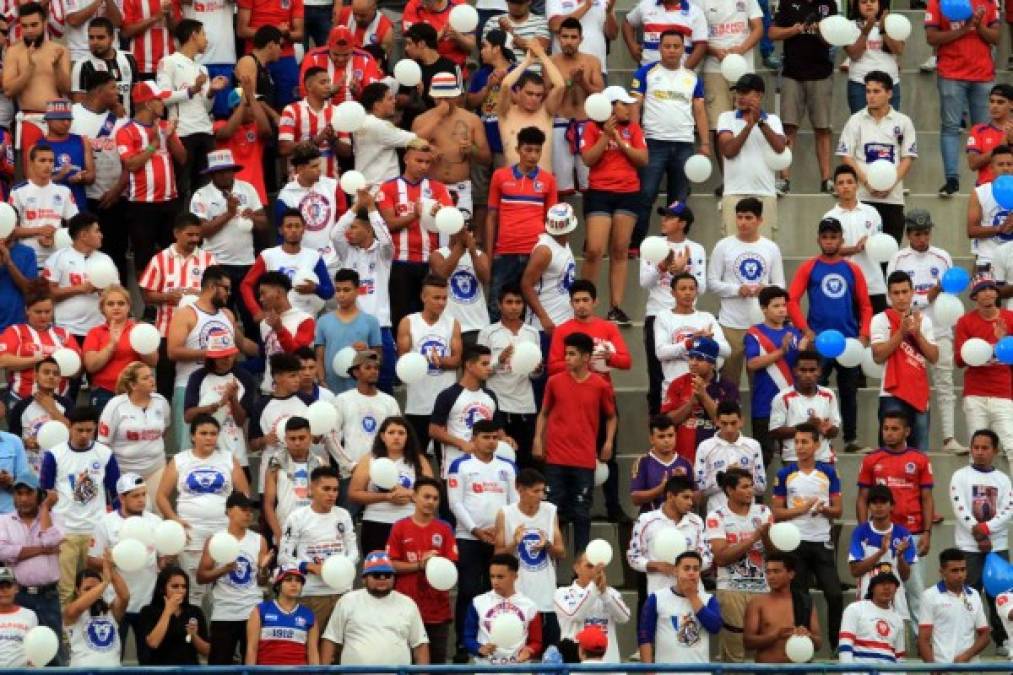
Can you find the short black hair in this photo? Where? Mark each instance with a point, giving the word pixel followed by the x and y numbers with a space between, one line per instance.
pixel 291 212
pixel 948 555
pixel 347 274
pixel 989 434
pixel 512 288
pixel 80 222
pixel 899 277
pixel 730 478
pixel 472 353
pixel 729 408
pixel 82 413
pixel 529 477
pixel 1003 149
pixel 41 146
pixel 275 278
pixel 295 423
pixel 880 77
pixel 107 25
pixel 422 32
pixel 749 205
pixel 313 71
pixel 573 24
pixel 507 560
pixel 670 32
pixel 484 427
pixel 283 362
pixel 212 275
pixel 660 423
pixel 807 428
pixel 1002 89
pixel 200 419
pixel 770 293
pixel 433 280
pixel 808 355
pixel 429 481
pixel 30 8
pixel 97 78
pixel 897 415
pixel 48 359
pixel 325 471
pixel 530 135
pixel 184 220
pixel 689 554
pixel 583 286
pixel 304 153
pixel 677 484
pixel 880 493
pixel 186 29
pixel 785 559
pixel 582 342
pixel 845 169
pixel 265 35
pixel 305 352
pixel 682 276
pixel 372 94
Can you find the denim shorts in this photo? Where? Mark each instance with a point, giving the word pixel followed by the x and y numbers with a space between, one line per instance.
pixel 603 203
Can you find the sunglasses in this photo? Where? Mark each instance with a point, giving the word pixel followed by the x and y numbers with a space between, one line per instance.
pixel 381 575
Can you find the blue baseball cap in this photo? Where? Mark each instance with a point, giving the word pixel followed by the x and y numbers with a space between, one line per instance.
pixel 377 562
pixel 705 348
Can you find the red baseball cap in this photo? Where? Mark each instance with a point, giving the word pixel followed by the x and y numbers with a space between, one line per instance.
pixel 593 640
pixel 340 36
pixel 147 90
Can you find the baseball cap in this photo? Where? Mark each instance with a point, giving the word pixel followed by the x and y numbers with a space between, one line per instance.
pixel 593 639
pixel 28 479
pixel 830 225
pixel 128 482
pixel 58 110
pixel 444 85
pixel 882 578
pixel 377 562
pixel 220 345
pixel 617 93
pixel 880 493
pixel 705 348
pixel 918 219
pixel 362 357
pixel 340 36
pixel 239 499
pixel 7 575
pixel 287 570
pixel 981 282
pixel 676 208
pixel 750 82
pixel 147 90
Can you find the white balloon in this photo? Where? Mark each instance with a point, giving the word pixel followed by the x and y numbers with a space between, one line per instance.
pixel 224 548
pixel 61 238
pixel 303 275
pixel 667 545
pixel 383 473
pixel 349 116
pixel 463 18
pixel 881 174
pixel 598 107
pixel 837 30
pixel 130 555
pixel 506 631
pixel 51 434
pixel 897 26
pixel 976 352
pixel 68 360
pixel 244 224
pixel 598 552
pixel 881 247
pixel 946 309
pixel 441 573
pixel 353 181
pixel 785 536
pixel 601 473
pixel 407 73
pixel 40 645
pixel 776 161
pixel 144 338
pixel 170 538
pixel 799 648
pixel 526 358
pixel 449 220
pixel 322 416
pixel 853 353
pixel 654 249
pixel 8 219
pixel 504 451
pixel 101 272
pixel 411 367
pixel 734 66
pixel 138 529
pixel 342 361
pixel 698 168
pixel 426 218
pixel 869 366
pixel 338 572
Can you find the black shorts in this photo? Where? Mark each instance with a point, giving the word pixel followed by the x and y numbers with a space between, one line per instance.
pixel 601 202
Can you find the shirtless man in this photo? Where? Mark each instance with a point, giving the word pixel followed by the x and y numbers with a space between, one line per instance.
pixel 36 70
pixel 582 74
pixel 457 137
pixel 533 107
pixel 770 618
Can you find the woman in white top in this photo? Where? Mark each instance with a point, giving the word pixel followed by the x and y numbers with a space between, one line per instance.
pixel 396 441
pixel 92 622
pixel 873 50
pixel 202 479
pixel 134 422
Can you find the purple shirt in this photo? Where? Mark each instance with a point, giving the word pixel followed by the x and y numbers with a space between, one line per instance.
pixel 649 471
pixel 15 535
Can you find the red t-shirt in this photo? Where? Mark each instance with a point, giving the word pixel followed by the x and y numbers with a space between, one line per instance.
pixel 96 340
pixel 407 542
pixel 247 149
pixel 522 202
pixel 575 410
pixel 599 330
pixel 273 13
pixel 993 379
pixel 906 474
pixel 967 58
pixel 614 172
pixel 982 139
pixel 414 12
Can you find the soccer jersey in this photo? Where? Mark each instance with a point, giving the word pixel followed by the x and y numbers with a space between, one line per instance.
pixel 716 455
pixel 466 297
pixel 537 576
pixel 457 409
pixel 283 635
pixel 23 340
pixel 790 407
pixel 478 490
pixel 41 205
pixel 835 288
pixel 553 286
pixel 614 172
pixel 230 245
pixel 679 634
pixel 745 574
pixel 155 180
pixel 297 330
pixel 483 611
pixel 206 387
pixel 747 172
pixel 956 619
pixel 578 607
pixel 648 526
pixel 372 264
pixel 237 593
pixel 416 12
pixel 360 71
pixel 203 484
pixel 655 18
pixel 69 267
pixel 412 243
pixel 906 473
pixel 866 140
pixel 522 202
pixel 136 434
pixel 871 634
pixel 761 340
pixel 968 57
pixel 993 215
pixel 140 583
pixel 270 414
pixel 94 640
pixel 311 537
pixel 649 471
pixel 514 392
pixel 866 541
pixel 735 263
pixel 82 479
pixel 926 269
pixel 273 13
pixel 100 130
pixel 698 426
pixel 795 486
pixel 155 43
pixel 14 626
pixel 982 139
pixel 26 417
pixel 667 95
pixel 429 339
pixel 299 123
pixel 319 205
pixel 408 542
pixel 728 27
pixel 659 284
pixel 359 417
pixel 859 223
pixel 216 17
pixel 372 33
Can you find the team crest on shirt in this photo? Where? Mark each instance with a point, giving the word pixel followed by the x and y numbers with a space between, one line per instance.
pixel 883 628
pixel 433 345
pixel 750 268
pixel 475 412
pixel 300 622
pixel 997 220
pixel 368 424
pixel 538 185
pixel 205 481
pixel 242 575
pixel 531 557
pixel 464 286
pixel 1002 600
pixel 909 467
pixel 100 634
pixel 834 286
pixel 286 5
pixel 568 276
pixel 437 540
pixel 316 210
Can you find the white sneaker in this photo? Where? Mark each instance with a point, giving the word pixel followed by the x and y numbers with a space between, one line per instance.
pixel 929 65
pixel 1003 649
pixel 954 446
pixel 634 657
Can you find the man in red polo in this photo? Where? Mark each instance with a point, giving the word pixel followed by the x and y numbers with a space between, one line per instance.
pixel 348 68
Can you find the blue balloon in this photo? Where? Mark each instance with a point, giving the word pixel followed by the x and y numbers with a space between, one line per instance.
pixel 998 575
pixel 955 280
pixel 1002 190
pixel 956 10
pixel 1004 350
pixel 830 343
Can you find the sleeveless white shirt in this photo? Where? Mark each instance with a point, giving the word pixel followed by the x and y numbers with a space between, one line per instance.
pixel 553 287
pixel 992 215
pixel 466 299
pixel 202 486
pixel 426 339
pixel 537 576
pixel 236 594
pixel 387 512
pixel 94 641
pixel 207 325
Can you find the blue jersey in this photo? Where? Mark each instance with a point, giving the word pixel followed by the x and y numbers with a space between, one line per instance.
pixel 283 635
pixel 70 152
pixel 838 297
pixel 762 339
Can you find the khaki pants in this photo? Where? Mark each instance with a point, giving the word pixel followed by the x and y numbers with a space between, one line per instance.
pixel 152 481
pixel 732 369
pixel 321 606
pixel 769 226
pixel 73 558
pixel 732 649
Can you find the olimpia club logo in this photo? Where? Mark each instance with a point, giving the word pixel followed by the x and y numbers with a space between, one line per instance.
pixel 750 268
pixel 834 286
pixel 242 575
pixel 532 557
pixel 464 286
pixel 100 634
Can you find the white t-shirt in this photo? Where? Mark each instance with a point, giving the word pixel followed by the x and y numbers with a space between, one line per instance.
pixel 871 634
pixel 671 331
pixel 926 270
pixel 746 573
pixel 76 40
pixel 980 496
pixel 41 205
pixel 992 215
pixel 69 267
pixel 477 490
pixel 879 332
pixel 592 26
pixel 141 583
pixel 100 130
pixel 735 263
pixel 862 221
pixel 216 15
pixel 13 628
pixel 236 594
pixel 229 245
pixel 955 619
pixel 648 526
pixel 790 408
pixel 80 482
pixel 866 140
pixel 514 392
pixel 873 58
pixel 728 26
pixel 311 537
pixel 716 454
pixel 659 284
pixel 375 146
pixel 136 434
pixel 359 416
pixel 667 101
pixel 580 606
pixel 94 640
pixel 747 173
pixel 655 18
pixel 376 631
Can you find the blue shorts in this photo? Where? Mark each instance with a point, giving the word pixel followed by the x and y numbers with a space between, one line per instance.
pixel 285 73
pixel 603 203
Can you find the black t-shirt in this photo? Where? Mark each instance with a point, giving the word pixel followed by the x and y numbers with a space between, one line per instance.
pixel 174 650
pixel 806 56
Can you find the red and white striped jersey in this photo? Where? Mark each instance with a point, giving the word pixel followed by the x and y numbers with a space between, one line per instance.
pixel 299 122
pixel 23 340
pixel 412 244
pixel 154 44
pixel 54 19
pixel 169 270
pixel 155 181
pixel 360 71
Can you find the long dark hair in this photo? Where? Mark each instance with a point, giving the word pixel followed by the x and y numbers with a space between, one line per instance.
pixel 168 572
pixel 100 606
pixel 412 455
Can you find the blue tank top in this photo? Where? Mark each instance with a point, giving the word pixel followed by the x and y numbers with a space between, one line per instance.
pixel 70 151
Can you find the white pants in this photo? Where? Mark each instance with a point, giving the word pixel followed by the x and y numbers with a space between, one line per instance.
pixel 564 161
pixel 942 382
pixel 990 412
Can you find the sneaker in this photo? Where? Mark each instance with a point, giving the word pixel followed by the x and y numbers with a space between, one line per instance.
pixel 782 186
pixel 929 66
pixel 949 188
pixel 772 62
pixel 954 446
pixel 634 657
pixel 1003 649
pixel 852 447
pixel 617 316
pixel 827 187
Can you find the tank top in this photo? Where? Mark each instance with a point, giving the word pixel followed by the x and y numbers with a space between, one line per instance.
pixel 537 576
pixel 992 215
pixel 94 641
pixel 425 339
pixel 553 287
pixel 202 486
pixel 293 486
pixel 387 512
pixel 207 326
pixel 70 152
pixel 265 83
pixel 283 635
pixel 466 300
pixel 236 594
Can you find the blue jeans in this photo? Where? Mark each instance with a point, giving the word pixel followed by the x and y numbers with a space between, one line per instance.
pixel 317 24
pixel 506 269
pixel 956 96
pixel 46 606
pixel 389 358
pixel 766 44
pixel 570 489
pixel 664 158
pixel 919 421
pixel 856 96
pixel 99 398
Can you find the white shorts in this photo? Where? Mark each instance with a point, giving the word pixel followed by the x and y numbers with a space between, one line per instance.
pixel 564 161
pixel 462 193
